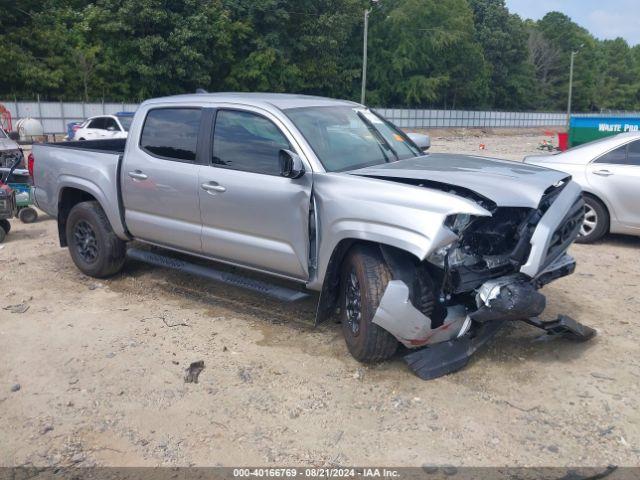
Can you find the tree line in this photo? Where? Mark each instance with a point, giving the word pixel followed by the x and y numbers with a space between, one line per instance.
pixel 422 53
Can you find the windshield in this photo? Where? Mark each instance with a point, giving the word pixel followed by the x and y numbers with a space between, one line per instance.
pixel 347 138
pixel 125 121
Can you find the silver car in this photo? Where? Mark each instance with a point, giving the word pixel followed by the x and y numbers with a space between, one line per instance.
pixel 608 170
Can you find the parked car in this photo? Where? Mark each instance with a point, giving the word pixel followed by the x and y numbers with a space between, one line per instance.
pixel 331 197
pixel 104 127
pixel 10 151
pixel 72 128
pixel 608 170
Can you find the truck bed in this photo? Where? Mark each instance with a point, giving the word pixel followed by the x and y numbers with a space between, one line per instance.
pixel 114 145
pixel 90 166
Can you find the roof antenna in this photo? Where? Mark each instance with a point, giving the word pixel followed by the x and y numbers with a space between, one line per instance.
pixel 201 90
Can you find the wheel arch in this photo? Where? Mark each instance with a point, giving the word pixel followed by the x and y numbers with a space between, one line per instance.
pixel 329 294
pixel 73 190
pixel 68 198
pixel 587 193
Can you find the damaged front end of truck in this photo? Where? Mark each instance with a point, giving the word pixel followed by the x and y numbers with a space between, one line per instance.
pixel 458 297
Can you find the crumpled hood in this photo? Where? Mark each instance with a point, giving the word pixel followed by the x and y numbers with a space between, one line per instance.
pixel 507 183
pixel 8 144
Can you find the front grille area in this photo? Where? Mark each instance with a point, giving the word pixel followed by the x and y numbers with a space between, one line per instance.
pixel 567 231
pixel 9 157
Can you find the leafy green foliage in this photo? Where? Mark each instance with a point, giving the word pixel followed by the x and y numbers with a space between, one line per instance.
pixel 454 53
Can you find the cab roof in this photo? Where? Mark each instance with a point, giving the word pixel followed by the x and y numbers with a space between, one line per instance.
pixel 281 101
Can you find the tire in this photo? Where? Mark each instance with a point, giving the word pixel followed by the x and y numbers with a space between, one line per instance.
pixel 94 247
pixel 5 225
pixel 364 278
pixel 596 221
pixel 3 235
pixel 28 215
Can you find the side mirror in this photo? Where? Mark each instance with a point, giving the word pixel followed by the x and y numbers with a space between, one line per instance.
pixel 15 136
pixel 421 140
pixel 291 165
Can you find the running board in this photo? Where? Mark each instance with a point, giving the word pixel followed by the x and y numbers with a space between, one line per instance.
pixel 274 291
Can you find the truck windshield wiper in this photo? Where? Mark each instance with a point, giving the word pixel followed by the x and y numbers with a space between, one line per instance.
pixel 376 133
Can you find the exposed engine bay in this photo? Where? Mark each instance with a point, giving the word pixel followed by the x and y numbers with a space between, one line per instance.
pixel 479 278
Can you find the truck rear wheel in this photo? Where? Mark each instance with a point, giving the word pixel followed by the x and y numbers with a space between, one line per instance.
pixel 363 281
pixel 94 247
pixel 5 225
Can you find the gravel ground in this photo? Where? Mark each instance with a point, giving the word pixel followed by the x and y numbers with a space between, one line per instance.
pixel 92 371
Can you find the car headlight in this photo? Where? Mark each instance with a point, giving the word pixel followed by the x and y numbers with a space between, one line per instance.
pixel 438 257
pixel 457 224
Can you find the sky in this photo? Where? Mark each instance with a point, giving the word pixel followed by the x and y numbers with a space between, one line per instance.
pixel 603 18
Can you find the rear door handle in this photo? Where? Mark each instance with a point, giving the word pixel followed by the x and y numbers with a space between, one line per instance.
pixel 603 173
pixel 213 187
pixel 138 175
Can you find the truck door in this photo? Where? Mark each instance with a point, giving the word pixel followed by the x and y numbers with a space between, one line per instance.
pixel 617 175
pixel 159 179
pixel 251 215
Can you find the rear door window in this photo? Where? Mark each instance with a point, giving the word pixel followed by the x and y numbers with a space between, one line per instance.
pixel 247 141
pixel 171 133
pixel 617 156
pixel 110 123
pixel 633 153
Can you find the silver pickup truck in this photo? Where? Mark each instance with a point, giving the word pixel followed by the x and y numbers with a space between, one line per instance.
pixel 403 247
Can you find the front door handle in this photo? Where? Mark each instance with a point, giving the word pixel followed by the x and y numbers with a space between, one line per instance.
pixel 213 187
pixel 138 175
pixel 603 173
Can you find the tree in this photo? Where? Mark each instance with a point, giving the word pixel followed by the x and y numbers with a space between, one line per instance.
pixel 504 44
pixel 562 36
pixel 617 79
pixel 458 53
pixel 422 53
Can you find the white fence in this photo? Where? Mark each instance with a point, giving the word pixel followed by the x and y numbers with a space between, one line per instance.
pixel 54 116
pixel 417 118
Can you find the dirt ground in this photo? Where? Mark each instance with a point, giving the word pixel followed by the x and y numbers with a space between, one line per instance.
pixel 100 367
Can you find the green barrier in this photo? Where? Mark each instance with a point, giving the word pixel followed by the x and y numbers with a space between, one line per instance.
pixel 587 129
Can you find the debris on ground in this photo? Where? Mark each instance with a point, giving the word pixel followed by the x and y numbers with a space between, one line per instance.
pixel 193 371
pixel 18 308
pixel 15 387
pixel 46 429
pixel 245 375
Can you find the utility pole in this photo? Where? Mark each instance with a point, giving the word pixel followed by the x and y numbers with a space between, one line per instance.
pixel 573 55
pixel 364 56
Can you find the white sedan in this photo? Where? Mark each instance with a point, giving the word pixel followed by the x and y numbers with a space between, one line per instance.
pixel 608 170
pixel 104 126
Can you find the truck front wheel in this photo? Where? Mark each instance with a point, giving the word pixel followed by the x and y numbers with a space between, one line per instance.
pixel 364 279
pixel 94 247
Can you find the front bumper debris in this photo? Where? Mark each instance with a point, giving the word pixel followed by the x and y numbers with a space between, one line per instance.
pixel 413 329
pixel 564 326
pixel 448 357
pixel 448 347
